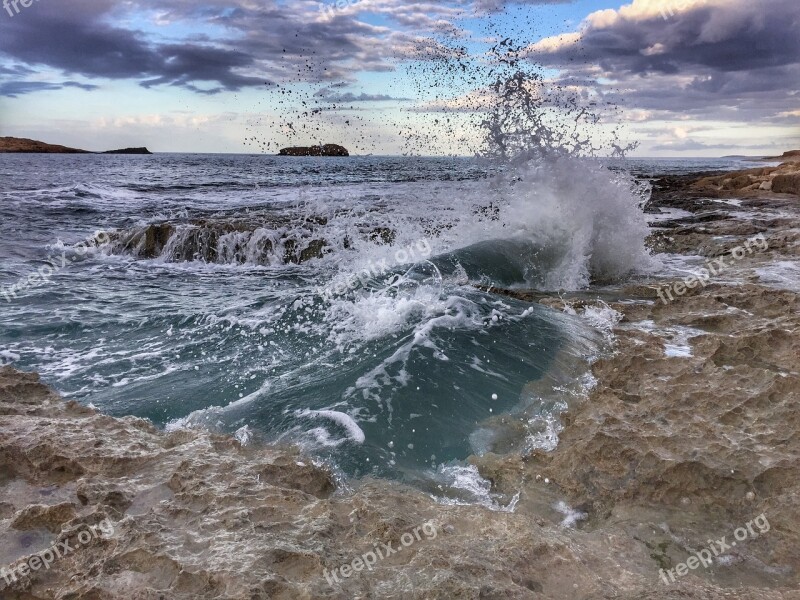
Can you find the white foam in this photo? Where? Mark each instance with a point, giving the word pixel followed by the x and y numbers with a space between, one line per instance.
pixel 781 274
pixel 451 312
pixel 571 516
pixel 678 350
pixel 679 345
pixel 243 435
pixel 372 316
pixel 354 432
pixel 545 430
pixel 470 487
pixel 6 356
pixel 730 202
pixel 676 339
pixel 602 317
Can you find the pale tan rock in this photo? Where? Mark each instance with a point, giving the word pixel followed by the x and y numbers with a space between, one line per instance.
pixel 784 179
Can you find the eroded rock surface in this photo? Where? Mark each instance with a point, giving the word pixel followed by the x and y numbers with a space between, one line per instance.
pixel 699 190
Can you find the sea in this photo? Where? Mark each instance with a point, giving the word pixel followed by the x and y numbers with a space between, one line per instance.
pixel 365 309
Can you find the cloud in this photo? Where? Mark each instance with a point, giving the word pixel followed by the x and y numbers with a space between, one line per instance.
pixel 260 42
pixel 736 60
pixel 718 35
pixel 663 61
pixel 242 44
pixel 13 89
pixel 689 145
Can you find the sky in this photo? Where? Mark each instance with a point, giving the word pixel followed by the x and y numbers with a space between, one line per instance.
pixel 691 78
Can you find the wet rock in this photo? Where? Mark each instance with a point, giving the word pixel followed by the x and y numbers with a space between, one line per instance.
pixel 234 241
pixel 51 518
pixel 786 184
pixel 383 235
pixel 698 191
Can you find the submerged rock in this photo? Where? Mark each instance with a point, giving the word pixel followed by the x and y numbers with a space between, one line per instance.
pixel 235 241
pixel 788 183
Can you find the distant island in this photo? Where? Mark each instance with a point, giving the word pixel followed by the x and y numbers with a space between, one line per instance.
pixel 12 145
pixel 141 150
pixel 321 150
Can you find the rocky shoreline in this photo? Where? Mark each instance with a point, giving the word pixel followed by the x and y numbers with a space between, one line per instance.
pixel 687 443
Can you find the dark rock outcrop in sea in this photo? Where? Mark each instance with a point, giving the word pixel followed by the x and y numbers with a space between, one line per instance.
pixel 230 242
pixel 236 241
pixel 322 150
pixel 129 151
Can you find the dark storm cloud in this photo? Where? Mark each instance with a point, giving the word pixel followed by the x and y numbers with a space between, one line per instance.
pixel 76 43
pixel 13 89
pixel 74 39
pixel 259 42
pixel 16 71
pixel 717 59
pixel 720 36
pixel 256 43
pixel 758 95
pixel 183 64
